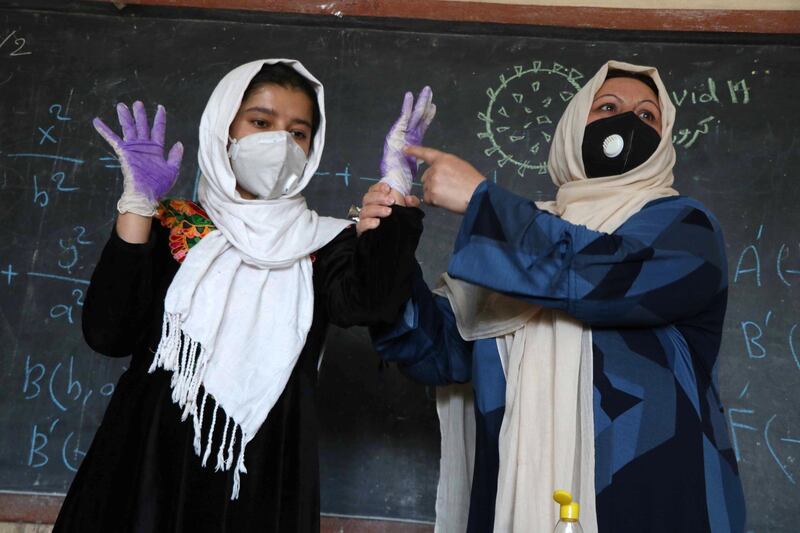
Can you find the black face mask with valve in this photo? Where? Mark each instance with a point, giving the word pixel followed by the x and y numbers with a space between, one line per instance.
pixel 615 145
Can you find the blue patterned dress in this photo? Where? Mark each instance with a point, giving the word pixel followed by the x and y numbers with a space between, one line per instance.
pixel 654 293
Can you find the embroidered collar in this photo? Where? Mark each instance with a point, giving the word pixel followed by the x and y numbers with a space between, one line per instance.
pixel 187 223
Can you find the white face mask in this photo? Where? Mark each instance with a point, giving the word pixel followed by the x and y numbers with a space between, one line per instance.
pixel 268 164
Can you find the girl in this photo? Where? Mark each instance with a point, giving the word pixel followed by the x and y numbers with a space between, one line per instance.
pixel 224 307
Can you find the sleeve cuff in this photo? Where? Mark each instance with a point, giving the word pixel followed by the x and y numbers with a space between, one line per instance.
pixel 408 216
pixel 116 243
pixel 479 191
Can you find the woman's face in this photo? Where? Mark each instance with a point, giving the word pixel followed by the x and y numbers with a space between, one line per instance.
pixel 275 108
pixel 620 95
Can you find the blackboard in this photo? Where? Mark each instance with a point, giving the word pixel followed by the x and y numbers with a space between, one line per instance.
pixel 61 64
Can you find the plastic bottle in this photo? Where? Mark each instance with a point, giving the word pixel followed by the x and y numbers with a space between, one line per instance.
pixel 570 511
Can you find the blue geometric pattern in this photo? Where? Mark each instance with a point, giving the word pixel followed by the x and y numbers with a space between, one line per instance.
pixel 654 294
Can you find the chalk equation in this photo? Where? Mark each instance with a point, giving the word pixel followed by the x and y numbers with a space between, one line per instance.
pixel 46 137
pixel 782 336
pixel 754 263
pixel 762 342
pixel 53 175
pixel 769 334
pixel 772 434
pixel 57 387
pixel 64 403
pixel 68 258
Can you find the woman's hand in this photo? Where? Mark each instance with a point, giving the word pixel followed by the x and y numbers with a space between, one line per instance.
pixel 148 176
pixel 376 204
pixel 449 181
pixel 397 168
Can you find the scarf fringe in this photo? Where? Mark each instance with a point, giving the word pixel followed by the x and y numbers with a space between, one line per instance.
pixel 187 359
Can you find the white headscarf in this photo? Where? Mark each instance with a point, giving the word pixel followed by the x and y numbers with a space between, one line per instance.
pixel 239 308
pixel 547 436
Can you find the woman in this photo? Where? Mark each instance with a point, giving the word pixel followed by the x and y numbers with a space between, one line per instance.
pixel 225 306
pixel 589 328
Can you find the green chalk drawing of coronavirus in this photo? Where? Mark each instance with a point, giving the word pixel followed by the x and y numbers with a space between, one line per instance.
pixel 522 113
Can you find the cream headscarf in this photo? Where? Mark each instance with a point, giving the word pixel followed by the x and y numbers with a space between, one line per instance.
pixel 547 435
pixel 239 308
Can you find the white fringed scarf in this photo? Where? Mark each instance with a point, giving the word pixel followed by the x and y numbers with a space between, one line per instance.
pixel 239 308
pixel 547 434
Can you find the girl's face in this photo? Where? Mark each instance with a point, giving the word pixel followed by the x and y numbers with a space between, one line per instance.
pixel 275 108
pixel 620 95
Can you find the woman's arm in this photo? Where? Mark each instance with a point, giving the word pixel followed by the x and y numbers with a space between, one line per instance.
pixel 133 228
pixel 424 340
pixel 119 296
pixel 663 265
pixel 367 279
pixel 119 293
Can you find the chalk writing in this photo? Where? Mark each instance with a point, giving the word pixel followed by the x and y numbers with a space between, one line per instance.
pixel 47 136
pixel 739 90
pixel 59 385
pixel 56 110
pixel 50 383
pixel 686 137
pixel 110 161
pixel 345 175
pixel 16 46
pixel 750 261
pixel 518 120
pixel 69 248
pixel 41 197
pixel 785 273
pixel 766 338
pixel 59 178
pixel 57 277
pixel 778 447
pixel 738 93
pixel 65 310
pixel 735 426
pixel 48 156
pixel 69 453
pixel 773 452
pixel 753 332
pixel 707 94
pixel 9 273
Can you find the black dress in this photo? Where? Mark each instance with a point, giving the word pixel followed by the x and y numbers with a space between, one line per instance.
pixel 141 473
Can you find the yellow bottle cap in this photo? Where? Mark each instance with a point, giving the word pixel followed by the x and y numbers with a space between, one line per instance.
pixel 569 510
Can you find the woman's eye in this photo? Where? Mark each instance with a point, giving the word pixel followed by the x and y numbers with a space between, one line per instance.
pixel 258 123
pixel 607 107
pixel 647 115
pixel 299 134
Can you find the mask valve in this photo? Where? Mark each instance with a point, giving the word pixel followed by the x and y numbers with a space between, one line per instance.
pixel 613 146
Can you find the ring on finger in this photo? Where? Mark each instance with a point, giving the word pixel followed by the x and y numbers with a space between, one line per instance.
pixel 354 213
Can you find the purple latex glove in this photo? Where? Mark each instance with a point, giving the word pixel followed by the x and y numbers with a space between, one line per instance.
pixel 398 169
pixel 148 176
